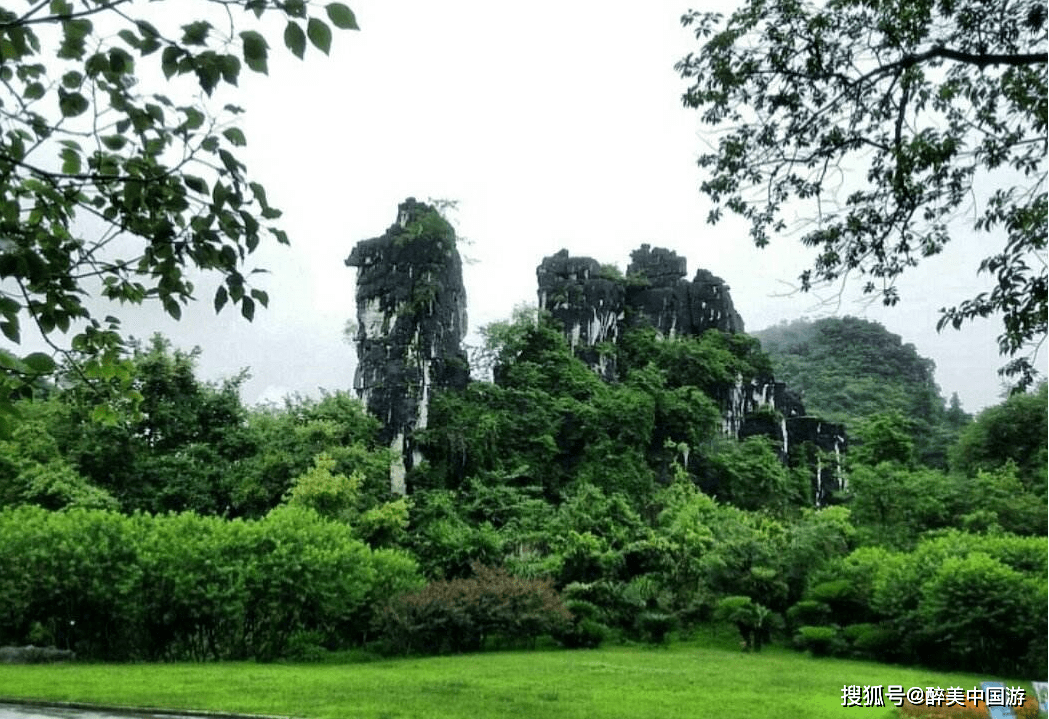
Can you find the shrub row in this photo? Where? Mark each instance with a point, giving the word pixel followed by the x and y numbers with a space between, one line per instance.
pixel 968 602
pixel 184 586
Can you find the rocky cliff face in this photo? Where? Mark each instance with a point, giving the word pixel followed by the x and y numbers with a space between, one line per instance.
pixel 411 320
pixel 596 306
pixel 411 311
pixel 660 295
pixel 589 302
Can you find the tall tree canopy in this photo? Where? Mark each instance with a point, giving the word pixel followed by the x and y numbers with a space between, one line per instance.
pixel 118 178
pixel 881 122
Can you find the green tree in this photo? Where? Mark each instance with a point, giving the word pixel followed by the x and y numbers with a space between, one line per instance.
pixel 749 475
pixel 894 505
pixel 34 471
pixel 329 494
pixel 177 453
pixel 885 437
pixel 284 441
pixel 879 122
pixel 110 188
pixel 1013 431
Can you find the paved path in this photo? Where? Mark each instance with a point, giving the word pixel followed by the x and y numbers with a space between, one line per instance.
pixel 28 711
pixel 14 711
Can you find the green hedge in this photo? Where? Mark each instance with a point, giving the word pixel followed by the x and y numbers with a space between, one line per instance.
pixel 185 586
pixel 964 601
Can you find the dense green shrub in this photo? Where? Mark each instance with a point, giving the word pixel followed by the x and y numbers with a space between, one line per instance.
pixel 73 575
pixel 980 614
pixel 821 641
pixel 655 626
pixel 194 600
pixel 754 621
pixel 959 600
pixel 583 631
pixel 808 612
pixel 618 608
pixel 584 634
pixel 458 615
pixel 872 641
pixel 186 586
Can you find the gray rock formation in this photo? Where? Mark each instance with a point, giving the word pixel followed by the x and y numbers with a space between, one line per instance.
pixel 589 304
pixel 411 320
pixel 660 295
pixel 595 307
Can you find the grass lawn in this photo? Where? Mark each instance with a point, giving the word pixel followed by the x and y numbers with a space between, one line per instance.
pixel 683 680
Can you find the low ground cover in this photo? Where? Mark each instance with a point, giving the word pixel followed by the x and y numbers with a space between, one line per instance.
pixel 633 682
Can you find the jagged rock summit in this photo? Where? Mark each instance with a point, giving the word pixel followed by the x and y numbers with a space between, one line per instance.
pixel 411 320
pixel 596 305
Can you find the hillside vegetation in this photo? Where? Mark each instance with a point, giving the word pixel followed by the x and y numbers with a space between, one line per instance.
pixel 848 370
pixel 551 506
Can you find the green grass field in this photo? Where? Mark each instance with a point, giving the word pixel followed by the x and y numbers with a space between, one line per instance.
pixel 684 680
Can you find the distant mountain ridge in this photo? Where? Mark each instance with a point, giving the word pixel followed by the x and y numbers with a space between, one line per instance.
pixel 848 369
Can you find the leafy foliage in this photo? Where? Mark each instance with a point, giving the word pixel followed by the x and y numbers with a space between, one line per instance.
pixel 33 470
pixel 751 618
pixel 113 188
pixel 194 446
pixel 878 123
pixel 1013 431
pixel 564 481
pixel 185 586
pixel 460 614
pixel 177 453
pixel 848 370
pixel 750 475
pixel 957 600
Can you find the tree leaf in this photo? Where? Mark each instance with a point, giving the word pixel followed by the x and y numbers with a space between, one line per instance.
pixel 319 34
pixel 230 66
pixel 235 136
pixel 295 39
pixel 230 162
pixel 247 308
pixel 39 363
pixel 71 103
pixel 221 297
pixel 196 33
pixel 114 142
pixel 195 183
pixel 169 60
pixel 295 8
pixel 172 307
pixel 147 29
pixel 70 161
pixel 255 49
pixel 11 330
pixel 341 16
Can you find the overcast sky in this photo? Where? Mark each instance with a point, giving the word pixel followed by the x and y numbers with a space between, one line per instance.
pixel 553 124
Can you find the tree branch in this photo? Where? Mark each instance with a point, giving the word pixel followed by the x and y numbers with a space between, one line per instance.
pixel 983 60
pixel 27 19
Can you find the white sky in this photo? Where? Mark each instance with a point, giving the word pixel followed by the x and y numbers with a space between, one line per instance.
pixel 553 124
